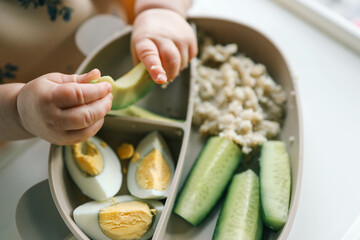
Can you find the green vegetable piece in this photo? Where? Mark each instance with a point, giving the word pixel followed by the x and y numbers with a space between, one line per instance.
pixel 129 88
pixel 275 184
pixel 208 179
pixel 240 216
pixel 135 111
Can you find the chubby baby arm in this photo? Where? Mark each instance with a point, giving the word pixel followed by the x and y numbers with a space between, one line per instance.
pixel 61 109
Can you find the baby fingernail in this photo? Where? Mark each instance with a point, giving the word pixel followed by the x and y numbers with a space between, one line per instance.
pixel 156 66
pixel 88 74
pixel 93 74
pixel 94 71
pixel 161 78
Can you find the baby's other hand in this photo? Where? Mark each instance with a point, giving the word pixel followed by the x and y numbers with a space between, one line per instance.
pixel 164 42
pixel 64 109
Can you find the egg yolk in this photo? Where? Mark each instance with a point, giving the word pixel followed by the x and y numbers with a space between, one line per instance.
pixel 135 157
pixel 126 220
pixel 153 172
pixel 88 158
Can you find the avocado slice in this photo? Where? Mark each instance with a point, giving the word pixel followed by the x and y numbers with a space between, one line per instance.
pixel 129 88
pixel 135 111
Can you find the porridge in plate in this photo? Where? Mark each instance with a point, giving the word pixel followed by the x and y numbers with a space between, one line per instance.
pixel 235 97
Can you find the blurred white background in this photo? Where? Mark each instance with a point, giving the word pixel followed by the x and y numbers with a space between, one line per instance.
pixel 350 9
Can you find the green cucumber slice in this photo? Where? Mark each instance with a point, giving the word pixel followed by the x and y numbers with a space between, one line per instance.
pixel 240 216
pixel 208 179
pixel 130 88
pixel 275 183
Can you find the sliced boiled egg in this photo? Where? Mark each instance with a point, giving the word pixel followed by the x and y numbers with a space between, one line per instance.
pixel 151 169
pixel 120 218
pixel 94 167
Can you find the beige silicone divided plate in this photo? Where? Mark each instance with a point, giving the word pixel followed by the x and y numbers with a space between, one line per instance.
pixel 113 58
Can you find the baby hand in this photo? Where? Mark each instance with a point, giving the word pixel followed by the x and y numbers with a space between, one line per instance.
pixel 164 42
pixel 64 109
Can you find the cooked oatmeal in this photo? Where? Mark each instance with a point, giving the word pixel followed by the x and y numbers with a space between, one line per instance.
pixel 235 97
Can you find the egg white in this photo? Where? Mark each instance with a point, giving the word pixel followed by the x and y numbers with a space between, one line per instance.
pixel 86 216
pixel 146 145
pixel 102 186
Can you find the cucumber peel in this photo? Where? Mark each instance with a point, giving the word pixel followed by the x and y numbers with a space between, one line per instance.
pixel 240 216
pixel 275 184
pixel 208 179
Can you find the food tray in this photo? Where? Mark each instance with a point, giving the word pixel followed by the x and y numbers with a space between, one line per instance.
pixel 113 58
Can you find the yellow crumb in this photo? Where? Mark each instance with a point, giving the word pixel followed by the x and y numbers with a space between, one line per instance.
pixel 103 144
pixel 124 170
pixel 125 151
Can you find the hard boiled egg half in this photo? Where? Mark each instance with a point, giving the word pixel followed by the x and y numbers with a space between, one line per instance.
pixel 122 217
pixel 151 169
pixel 94 167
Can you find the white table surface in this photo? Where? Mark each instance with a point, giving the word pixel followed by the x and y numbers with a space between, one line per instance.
pixel 329 84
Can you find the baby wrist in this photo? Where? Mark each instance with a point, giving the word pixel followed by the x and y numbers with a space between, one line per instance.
pixel 19 120
pixel 178 6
